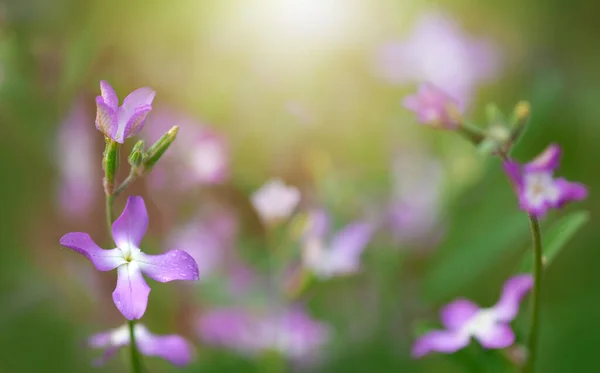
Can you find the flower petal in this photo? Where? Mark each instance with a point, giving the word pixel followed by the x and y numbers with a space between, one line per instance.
pixel 318 223
pixel 569 191
pixel 103 260
pixel 457 313
pixel 172 265
pixel 497 336
pixel 131 294
pixel 446 341
pixel 348 244
pixel 173 348
pixel 513 171
pixel 547 161
pixel 515 289
pixel 106 119
pixel 129 229
pixel 138 98
pixel 135 122
pixel 108 95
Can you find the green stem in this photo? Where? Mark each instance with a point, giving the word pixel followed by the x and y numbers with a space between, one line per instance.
pixel 136 364
pixel 109 214
pixel 130 179
pixel 535 295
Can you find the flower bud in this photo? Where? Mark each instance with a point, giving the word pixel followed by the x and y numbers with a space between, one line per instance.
pixel 159 148
pixel 137 154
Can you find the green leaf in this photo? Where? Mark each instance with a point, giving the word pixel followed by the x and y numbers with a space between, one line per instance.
pixel 555 238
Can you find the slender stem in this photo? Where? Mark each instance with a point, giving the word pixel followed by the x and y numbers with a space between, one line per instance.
pixel 130 179
pixel 136 364
pixel 535 295
pixel 109 214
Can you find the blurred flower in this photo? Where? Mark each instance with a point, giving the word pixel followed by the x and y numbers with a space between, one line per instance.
pixel 414 208
pixel 76 160
pixel 535 186
pixel 292 333
pixel 207 240
pixel 434 107
pixel 172 347
pixel 338 256
pixel 463 319
pixel 121 122
pixel 438 51
pixel 131 293
pixel 201 156
pixel 275 201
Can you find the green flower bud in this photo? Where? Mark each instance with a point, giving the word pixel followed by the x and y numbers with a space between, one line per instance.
pixel 159 148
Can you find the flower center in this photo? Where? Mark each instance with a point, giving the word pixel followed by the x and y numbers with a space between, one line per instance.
pixel 483 320
pixel 540 188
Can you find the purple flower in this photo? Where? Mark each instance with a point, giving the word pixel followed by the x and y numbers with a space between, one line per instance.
pixel 172 347
pixel 438 51
pixel 537 189
pixel 76 161
pixel 121 122
pixel 275 201
pixel 337 256
pixel 434 107
pixel 291 333
pixel 463 319
pixel 131 294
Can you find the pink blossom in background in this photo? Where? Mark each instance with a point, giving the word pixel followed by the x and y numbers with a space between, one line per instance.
pixel 292 333
pixel 201 156
pixel 275 201
pixel 77 161
pixel 440 52
pixel 434 107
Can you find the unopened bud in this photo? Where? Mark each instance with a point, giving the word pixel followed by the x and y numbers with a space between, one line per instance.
pixel 159 148
pixel 136 156
pixel 522 111
pixel 110 165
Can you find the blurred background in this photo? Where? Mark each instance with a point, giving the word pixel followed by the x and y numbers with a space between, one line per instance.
pixel 308 91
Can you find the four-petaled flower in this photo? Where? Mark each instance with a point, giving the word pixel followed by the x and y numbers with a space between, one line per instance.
pixel 120 122
pixel 434 107
pixel 537 189
pixel 275 201
pixel 131 293
pixel 337 256
pixel 172 347
pixel 463 319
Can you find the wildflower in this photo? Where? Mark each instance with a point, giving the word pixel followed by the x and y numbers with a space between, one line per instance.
pixel 434 107
pixel 463 319
pixel 172 347
pixel 131 293
pixel 537 189
pixel 291 333
pixel 338 256
pixel 275 201
pixel 121 122
pixel 440 52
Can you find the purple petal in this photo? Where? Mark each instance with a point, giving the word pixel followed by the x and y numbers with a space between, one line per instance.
pixel 132 122
pixel 106 119
pixel 352 240
pixel 515 289
pixel 570 191
pixel 108 95
pixel 445 341
pixel 103 260
pixel 129 229
pixel 457 313
pixel 131 294
pixel 547 161
pixel 318 223
pixel 172 265
pixel 138 98
pixel 513 171
pixel 496 336
pixel 173 348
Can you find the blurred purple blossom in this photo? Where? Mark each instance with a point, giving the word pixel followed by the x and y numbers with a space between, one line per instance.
pixel 131 293
pixel 76 158
pixel 440 52
pixel 537 189
pixel 292 333
pixel 201 157
pixel 172 347
pixel 434 107
pixel 464 320
pixel 275 201
pixel 121 122
pixel 337 255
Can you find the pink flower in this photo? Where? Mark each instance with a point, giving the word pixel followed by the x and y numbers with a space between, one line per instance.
pixel 121 122
pixel 275 201
pixel 465 320
pixel 131 294
pixel 434 107
pixel 172 347
pixel 537 189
